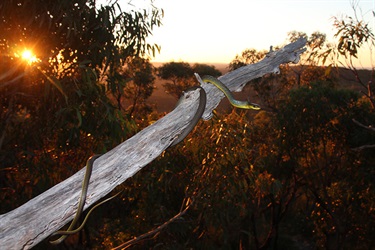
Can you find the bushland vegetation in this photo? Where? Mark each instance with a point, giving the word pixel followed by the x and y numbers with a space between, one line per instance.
pixel 298 174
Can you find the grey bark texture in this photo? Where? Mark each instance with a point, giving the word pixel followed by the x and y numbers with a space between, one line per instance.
pixel 27 225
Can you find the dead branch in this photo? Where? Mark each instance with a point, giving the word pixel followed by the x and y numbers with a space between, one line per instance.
pixel 371 128
pixel 27 225
pixel 156 231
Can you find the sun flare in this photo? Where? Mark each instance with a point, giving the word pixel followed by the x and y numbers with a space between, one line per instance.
pixel 28 56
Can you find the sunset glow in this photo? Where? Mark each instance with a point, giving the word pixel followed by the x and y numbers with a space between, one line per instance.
pixel 215 31
pixel 28 56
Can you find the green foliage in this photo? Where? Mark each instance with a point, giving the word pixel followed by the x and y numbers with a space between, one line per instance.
pixel 76 31
pixel 260 182
pixel 282 179
pixel 321 108
pixel 332 176
pixel 136 84
pixel 352 35
pixel 62 105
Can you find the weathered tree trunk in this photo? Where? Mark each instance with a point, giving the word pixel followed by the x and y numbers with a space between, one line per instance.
pixel 27 225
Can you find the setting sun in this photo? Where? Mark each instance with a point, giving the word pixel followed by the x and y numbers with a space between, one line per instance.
pixel 28 56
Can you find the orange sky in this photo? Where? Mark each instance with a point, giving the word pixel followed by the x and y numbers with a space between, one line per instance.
pixel 212 31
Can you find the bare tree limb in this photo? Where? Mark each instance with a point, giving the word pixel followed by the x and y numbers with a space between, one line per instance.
pixel 364 147
pixel 237 79
pixel 27 225
pixel 364 126
pixel 155 231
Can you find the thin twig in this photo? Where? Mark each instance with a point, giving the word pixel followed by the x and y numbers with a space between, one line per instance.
pixel 364 126
pixel 154 232
pixel 363 147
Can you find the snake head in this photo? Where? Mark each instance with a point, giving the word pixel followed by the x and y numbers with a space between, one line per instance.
pixel 255 106
pixel 252 105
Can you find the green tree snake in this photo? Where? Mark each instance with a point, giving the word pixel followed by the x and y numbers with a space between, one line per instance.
pixel 85 184
pixel 198 114
pixel 229 95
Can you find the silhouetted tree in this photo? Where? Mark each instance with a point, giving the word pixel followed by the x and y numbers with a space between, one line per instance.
pixel 141 85
pixel 248 56
pixel 182 75
pixel 205 69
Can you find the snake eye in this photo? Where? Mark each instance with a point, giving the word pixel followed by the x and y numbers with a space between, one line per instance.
pixel 256 106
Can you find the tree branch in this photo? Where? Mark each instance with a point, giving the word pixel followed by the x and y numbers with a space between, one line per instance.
pixel 155 231
pixel 371 128
pixel 27 225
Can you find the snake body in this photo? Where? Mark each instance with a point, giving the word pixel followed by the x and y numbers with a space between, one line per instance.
pixel 85 184
pixel 89 165
pixel 198 114
pixel 229 95
pixel 202 104
pixel 181 137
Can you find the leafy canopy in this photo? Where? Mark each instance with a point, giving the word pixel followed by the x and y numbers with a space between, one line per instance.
pixel 59 109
